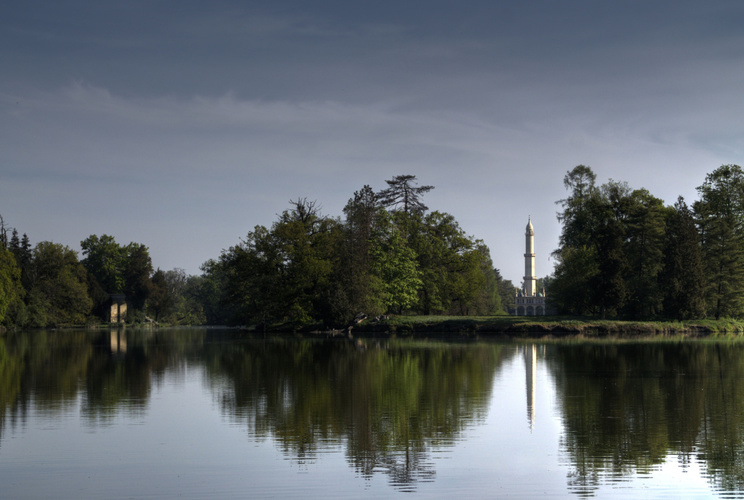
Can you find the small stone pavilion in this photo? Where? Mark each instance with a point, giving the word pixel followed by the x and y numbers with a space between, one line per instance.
pixel 118 308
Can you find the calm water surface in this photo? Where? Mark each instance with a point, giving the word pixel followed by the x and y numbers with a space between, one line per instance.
pixel 213 413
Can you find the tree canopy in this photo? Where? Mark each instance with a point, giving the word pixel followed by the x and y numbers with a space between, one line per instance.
pixel 403 194
pixel 624 253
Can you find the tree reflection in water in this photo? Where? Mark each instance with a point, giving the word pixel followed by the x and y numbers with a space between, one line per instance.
pixel 627 408
pixel 390 403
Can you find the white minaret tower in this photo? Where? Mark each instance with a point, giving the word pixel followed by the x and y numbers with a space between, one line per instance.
pixel 530 280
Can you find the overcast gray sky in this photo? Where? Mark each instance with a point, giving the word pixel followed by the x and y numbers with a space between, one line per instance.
pixel 183 124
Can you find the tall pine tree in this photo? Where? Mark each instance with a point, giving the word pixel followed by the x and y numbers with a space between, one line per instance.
pixel 720 214
pixel 682 281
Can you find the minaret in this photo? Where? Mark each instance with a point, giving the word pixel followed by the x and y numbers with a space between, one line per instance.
pixel 530 280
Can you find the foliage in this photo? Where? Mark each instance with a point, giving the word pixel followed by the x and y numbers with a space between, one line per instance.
pixel 505 291
pixel 362 289
pixel 11 291
pixel 59 289
pixel 175 298
pixel 615 252
pixel 310 269
pixel 720 215
pixel 394 264
pixel 402 194
pixel 284 274
pixel 683 278
pixel 117 269
pixel 104 260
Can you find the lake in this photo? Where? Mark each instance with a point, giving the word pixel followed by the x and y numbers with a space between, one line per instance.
pixel 198 413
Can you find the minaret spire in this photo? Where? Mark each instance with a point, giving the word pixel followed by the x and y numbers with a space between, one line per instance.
pixel 530 280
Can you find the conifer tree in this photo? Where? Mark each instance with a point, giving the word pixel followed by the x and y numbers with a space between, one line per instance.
pixel 645 228
pixel 720 215
pixel 402 194
pixel 682 280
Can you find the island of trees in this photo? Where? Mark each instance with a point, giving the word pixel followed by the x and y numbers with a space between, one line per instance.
pixel 622 254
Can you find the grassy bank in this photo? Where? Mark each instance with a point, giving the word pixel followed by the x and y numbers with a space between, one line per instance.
pixel 548 327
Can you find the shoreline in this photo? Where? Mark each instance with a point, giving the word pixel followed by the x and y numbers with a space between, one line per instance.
pixel 532 328
pixel 488 327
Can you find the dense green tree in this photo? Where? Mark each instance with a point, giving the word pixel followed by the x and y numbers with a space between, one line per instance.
pixel 612 249
pixel 21 250
pixel 105 260
pixel 403 194
pixel 213 294
pixel 576 218
pixel 175 298
pixel 720 215
pixel 14 245
pixel 161 302
pixel 575 270
pixel 609 291
pixel 361 288
pixel 307 245
pixel 438 243
pixel 3 233
pixel 137 270
pixel 59 291
pixel 506 292
pixel 308 268
pixel 189 308
pixel 543 284
pixel 645 230
pixel 117 269
pixel 395 265
pixel 477 291
pixel 682 280
pixel 285 274
pixel 11 290
pixel 456 270
pixel 251 273
pixel 576 274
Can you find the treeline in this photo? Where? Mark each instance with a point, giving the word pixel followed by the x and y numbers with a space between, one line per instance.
pixel 47 285
pixel 388 254
pixel 623 253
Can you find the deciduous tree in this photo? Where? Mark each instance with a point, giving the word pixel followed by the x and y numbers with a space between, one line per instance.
pixel 59 289
pixel 11 290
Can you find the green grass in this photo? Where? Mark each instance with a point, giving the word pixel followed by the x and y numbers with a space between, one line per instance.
pixel 558 327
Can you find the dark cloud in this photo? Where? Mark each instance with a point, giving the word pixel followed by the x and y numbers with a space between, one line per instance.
pixel 185 123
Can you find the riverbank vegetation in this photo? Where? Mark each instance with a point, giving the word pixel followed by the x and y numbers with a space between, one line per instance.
pixel 387 254
pixel 622 255
pixel 559 327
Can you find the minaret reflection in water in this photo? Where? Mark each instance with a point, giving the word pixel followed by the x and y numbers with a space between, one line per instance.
pixel 530 365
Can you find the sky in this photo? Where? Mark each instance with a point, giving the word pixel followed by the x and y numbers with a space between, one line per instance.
pixel 183 124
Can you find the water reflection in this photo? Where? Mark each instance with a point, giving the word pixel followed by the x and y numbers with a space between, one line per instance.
pixel 625 409
pixel 530 367
pixel 389 403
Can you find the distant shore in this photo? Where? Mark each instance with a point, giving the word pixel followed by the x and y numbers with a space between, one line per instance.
pixel 541 328
pixel 495 327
